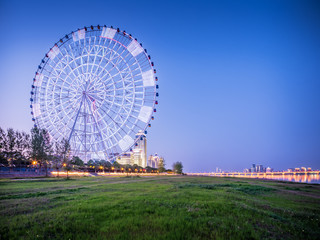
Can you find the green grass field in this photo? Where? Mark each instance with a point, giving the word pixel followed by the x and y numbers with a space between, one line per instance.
pixel 173 207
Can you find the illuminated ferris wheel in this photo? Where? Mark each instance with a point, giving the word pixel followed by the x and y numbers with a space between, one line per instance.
pixel 96 87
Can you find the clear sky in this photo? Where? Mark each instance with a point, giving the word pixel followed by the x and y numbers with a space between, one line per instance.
pixel 239 80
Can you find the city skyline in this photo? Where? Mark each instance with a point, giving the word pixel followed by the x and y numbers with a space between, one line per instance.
pixel 239 81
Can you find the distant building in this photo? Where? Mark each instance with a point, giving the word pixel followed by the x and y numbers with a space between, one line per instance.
pixel 138 155
pixel 256 169
pixel 269 169
pixel 153 161
pixel 302 169
pixel 125 158
pixel 259 168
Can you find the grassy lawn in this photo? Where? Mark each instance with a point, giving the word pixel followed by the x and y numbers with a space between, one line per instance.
pixel 158 208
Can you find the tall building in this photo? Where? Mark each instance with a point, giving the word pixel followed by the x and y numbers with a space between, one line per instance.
pixel 139 152
pixel 259 168
pixel 138 155
pixel 153 161
pixel 253 168
pixel 125 158
pixel 256 169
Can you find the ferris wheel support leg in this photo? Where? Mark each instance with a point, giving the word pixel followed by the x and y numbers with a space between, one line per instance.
pixel 75 121
pixel 98 127
pixel 85 132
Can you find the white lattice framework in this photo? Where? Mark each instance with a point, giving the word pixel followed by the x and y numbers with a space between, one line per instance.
pixel 96 87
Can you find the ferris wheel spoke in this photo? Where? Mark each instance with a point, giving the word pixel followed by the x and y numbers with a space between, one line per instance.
pixel 118 72
pixel 121 79
pixel 89 51
pixel 63 81
pixel 112 120
pixel 75 121
pixel 104 54
pixel 118 113
pixel 113 67
pixel 95 57
pixel 69 111
pixel 109 61
pixel 77 65
pixel 124 63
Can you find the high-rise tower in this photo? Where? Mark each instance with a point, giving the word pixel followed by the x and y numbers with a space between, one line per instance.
pixel 139 152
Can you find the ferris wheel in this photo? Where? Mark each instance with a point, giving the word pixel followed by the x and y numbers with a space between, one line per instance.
pixel 97 88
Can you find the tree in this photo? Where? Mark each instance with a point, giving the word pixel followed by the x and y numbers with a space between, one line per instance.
pixel 41 148
pixel 161 165
pixel 108 165
pixel 68 168
pixel 128 168
pixel 177 167
pixel 148 169
pixel 10 145
pixel 3 159
pixel 14 146
pixel 76 161
pixel 22 147
pixel 56 158
pixel 59 154
pixel 65 151
pixel 2 140
pixel 116 165
pixel 105 165
pixel 3 145
pixel 97 164
pixel 90 162
pixel 135 168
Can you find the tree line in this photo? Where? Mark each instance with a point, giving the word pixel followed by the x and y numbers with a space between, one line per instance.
pixel 18 148
pixel 177 167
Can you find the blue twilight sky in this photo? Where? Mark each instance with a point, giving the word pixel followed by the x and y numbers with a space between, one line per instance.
pixel 239 80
